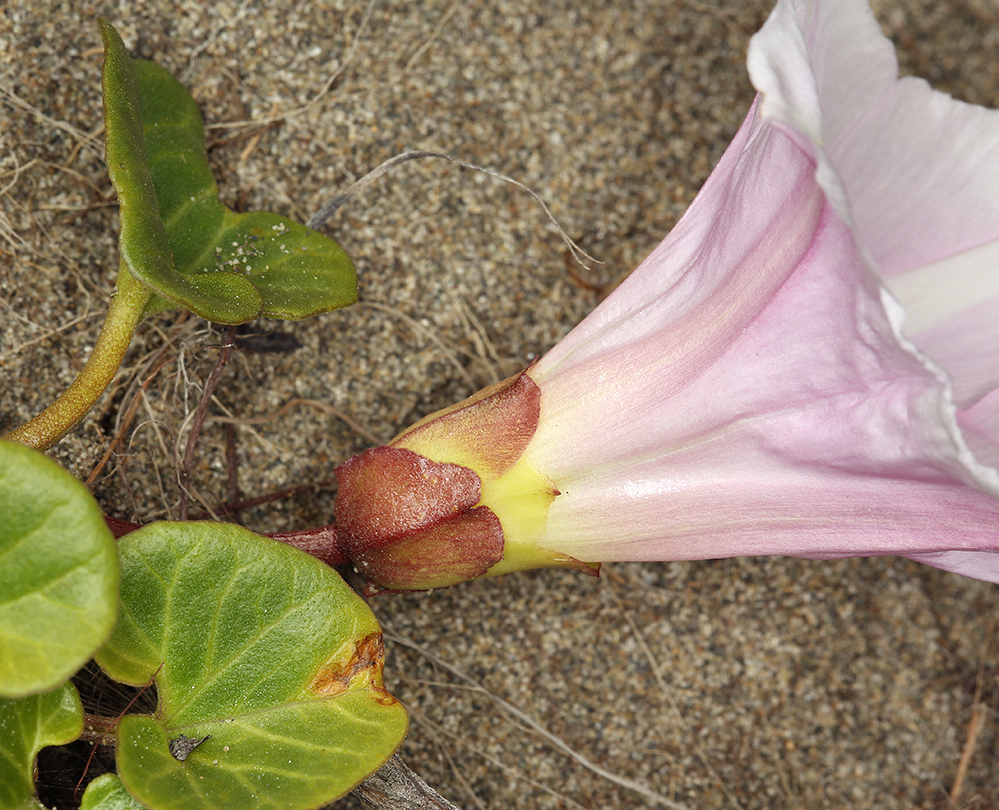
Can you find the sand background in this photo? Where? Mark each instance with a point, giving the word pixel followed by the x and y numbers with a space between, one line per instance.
pixel 747 683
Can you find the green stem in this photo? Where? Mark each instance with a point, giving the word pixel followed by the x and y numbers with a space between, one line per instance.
pixel 124 314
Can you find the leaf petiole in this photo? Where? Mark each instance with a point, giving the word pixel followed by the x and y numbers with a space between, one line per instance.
pixel 124 313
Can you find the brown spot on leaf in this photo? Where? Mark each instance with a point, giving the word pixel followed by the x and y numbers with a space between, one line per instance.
pixel 362 669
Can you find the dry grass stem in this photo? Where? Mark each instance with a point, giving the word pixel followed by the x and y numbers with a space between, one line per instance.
pixel 537 728
pixel 978 714
pixel 329 208
pixel 516 772
pixel 353 424
pixel 657 670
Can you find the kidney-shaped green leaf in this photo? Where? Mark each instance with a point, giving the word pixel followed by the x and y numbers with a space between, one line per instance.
pixel 267 666
pixel 58 573
pixel 27 725
pixel 106 792
pixel 297 271
pixel 223 296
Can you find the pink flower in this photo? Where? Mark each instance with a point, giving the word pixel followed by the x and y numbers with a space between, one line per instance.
pixel 755 386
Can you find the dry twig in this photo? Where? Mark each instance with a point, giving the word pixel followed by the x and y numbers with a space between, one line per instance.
pixel 395 787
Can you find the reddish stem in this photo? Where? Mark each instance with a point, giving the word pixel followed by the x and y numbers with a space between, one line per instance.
pixel 319 541
pixel 119 528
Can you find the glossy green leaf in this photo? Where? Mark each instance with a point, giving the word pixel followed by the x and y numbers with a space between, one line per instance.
pixel 298 271
pixel 220 296
pixel 260 648
pixel 58 573
pixel 27 725
pixel 106 792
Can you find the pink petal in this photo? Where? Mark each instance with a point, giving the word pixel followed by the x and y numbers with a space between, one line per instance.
pixel 961 335
pixel 917 169
pixel 915 172
pixel 980 427
pixel 745 392
pixel 968 347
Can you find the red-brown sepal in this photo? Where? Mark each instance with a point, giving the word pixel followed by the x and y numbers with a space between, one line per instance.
pixel 409 523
